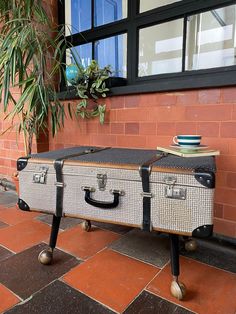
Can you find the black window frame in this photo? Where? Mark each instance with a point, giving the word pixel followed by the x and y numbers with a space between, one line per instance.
pixel 206 78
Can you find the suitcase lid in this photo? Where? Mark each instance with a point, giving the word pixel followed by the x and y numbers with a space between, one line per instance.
pixel 128 157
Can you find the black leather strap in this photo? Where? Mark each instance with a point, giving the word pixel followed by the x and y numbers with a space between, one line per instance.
pixel 58 166
pixel 145 171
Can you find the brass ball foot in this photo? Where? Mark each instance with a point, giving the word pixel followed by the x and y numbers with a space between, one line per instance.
pixel 86 225
pixel 45 257
pixel 178 289
pixel 190 245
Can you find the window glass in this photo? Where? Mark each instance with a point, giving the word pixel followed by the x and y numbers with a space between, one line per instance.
pixel 112 51
pixel 107 11
pixel 146 5
pixel 77 16
pixel 160 48
pixel 211 39
pixel 82 53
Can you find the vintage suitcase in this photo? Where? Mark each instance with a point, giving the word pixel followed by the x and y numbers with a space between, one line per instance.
pixel 134 187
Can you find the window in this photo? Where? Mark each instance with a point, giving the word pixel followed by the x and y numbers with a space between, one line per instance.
pixel 156 45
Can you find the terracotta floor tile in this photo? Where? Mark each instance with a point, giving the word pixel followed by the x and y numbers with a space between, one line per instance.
pixel 209 290
pixel 8 299
pixel 3 225
pixel 111 278
pixel 13 215
pixel 85 244
pixel 23 235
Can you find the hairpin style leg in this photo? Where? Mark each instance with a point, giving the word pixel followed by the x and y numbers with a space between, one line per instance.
pixel 86 225
pixel 177 288
pixel 46 256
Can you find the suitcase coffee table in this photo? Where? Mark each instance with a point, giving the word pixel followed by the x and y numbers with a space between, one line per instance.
pixel 134 187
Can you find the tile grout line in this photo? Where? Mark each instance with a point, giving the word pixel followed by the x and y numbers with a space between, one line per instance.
pixel 88 296
pixel 151 292
pixel 8 249
pixel 135 258
pixel 206 264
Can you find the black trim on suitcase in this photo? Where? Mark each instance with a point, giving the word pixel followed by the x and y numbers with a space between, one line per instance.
pixel 145 171
pixel 23 205
pixel 206 178
pixel 58 165
pixel 203 231
pixel 22 163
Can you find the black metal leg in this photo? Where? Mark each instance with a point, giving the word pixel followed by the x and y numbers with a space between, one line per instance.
pixel 174 254
pixel 46 256
pixel 177 288
pixel 54 231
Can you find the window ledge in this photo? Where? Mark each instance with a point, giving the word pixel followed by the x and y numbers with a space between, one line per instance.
pixel 172 82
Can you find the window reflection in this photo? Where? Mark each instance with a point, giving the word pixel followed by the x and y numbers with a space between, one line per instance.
pixel 160 48
pixel 77 16
pixel 112 51
pixel 82 53
pixel 107 11
pixel 146 5
pixel 211 39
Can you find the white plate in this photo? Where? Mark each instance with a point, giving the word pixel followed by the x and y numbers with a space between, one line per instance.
pixel 199 147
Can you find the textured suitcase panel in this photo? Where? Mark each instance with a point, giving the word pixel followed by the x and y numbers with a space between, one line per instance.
pixel 35 195
pixel 129 210
pixel 43 196
pixel 182 215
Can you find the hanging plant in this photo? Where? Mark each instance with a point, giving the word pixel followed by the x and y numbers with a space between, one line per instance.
pixel 90 84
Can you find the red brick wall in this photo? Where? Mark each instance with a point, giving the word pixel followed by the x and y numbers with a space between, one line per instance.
pixel 11 143
pixel 148 120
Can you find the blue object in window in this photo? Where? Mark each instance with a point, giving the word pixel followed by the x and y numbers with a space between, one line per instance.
pixel 72 74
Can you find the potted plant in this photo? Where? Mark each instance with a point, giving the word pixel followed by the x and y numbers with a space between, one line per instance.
pixel 31 54
pixel 91 85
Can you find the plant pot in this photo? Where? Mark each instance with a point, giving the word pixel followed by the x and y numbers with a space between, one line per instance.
pixel 15 180
pixel 115 81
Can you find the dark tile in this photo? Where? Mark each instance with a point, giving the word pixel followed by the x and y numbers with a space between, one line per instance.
pixel 149 247
pixel 4 253
pixel 3 225
pixel 8 198
pixel 214 254
pixel 60 298
pixel 66 222
pixel 148 303
pixel 24 275
pixel 112 227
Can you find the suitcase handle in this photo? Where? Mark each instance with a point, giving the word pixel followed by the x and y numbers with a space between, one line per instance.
pixel 102 204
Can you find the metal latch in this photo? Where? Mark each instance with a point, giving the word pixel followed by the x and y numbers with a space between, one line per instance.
pixel 174 192
pixel 102 181
pixel 40 177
